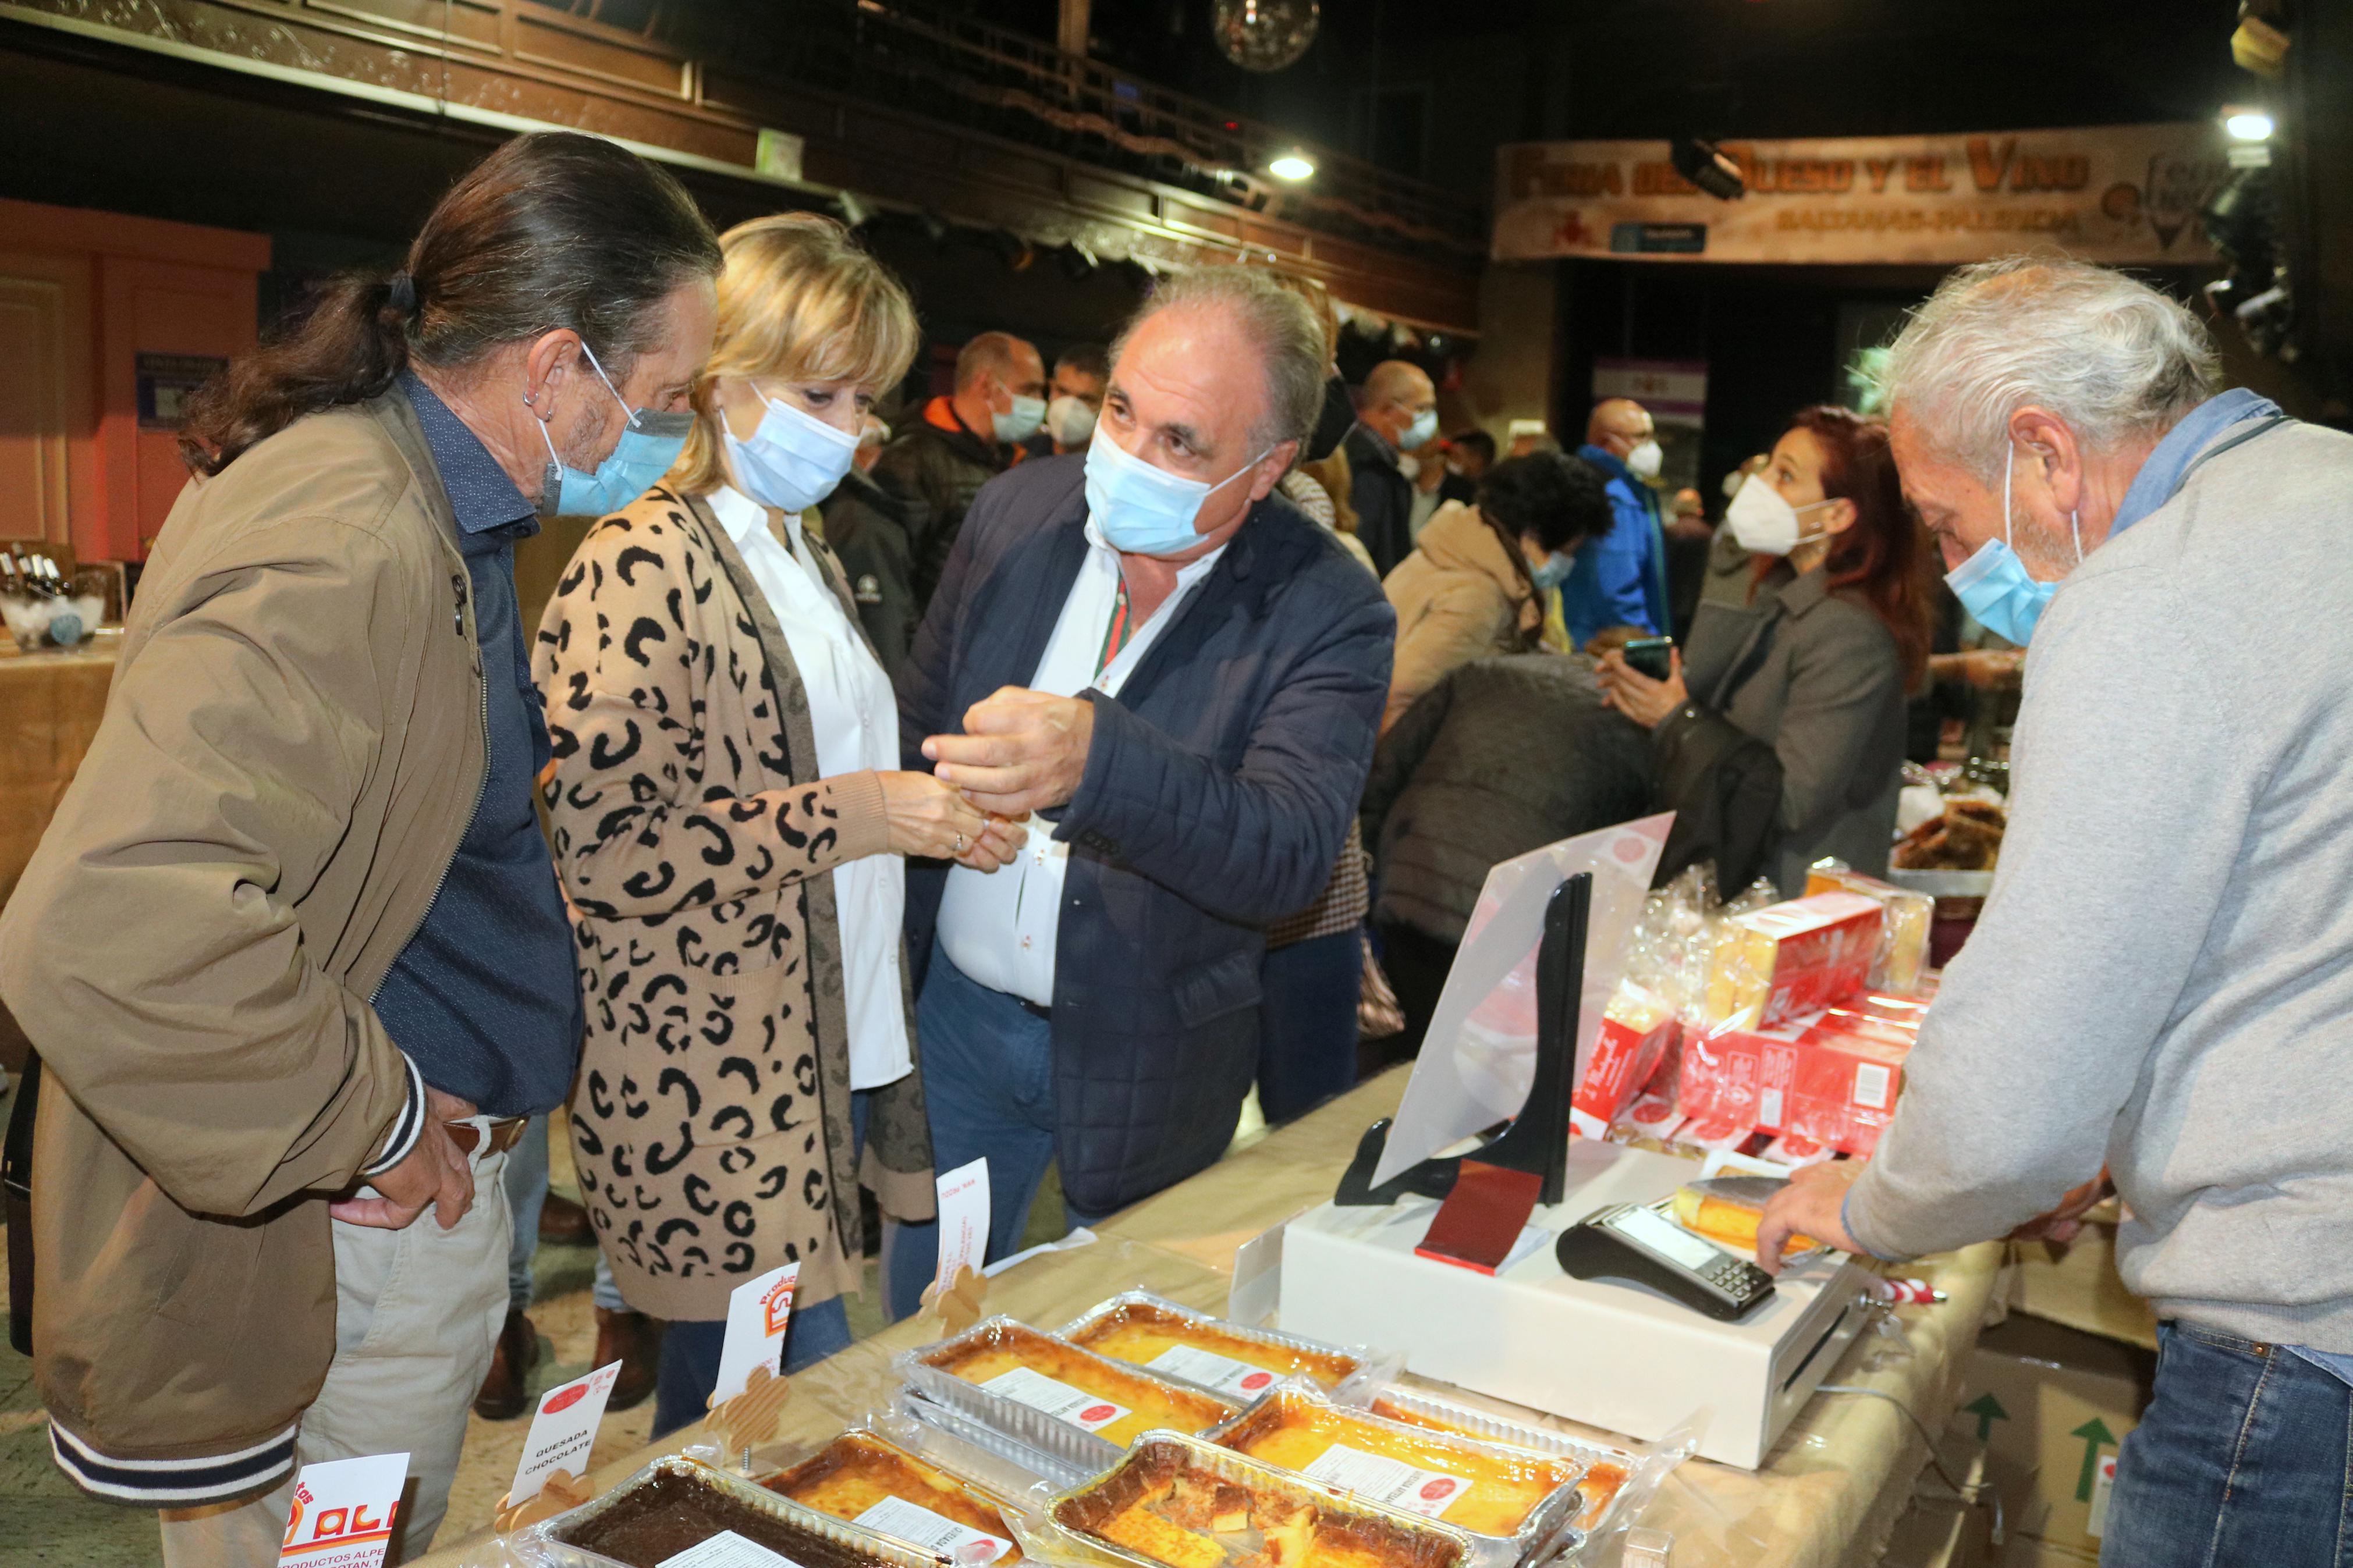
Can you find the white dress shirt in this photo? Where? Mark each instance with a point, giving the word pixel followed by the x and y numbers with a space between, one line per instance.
pixel 856 718
pixel 1000 928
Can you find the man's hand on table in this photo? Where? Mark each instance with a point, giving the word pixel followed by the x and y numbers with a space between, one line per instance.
pixel 1810 1206
pixel 1021 750
pixel 434 1173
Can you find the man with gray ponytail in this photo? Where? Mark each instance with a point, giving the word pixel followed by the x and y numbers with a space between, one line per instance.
pixel 293 951
pixel 2159 998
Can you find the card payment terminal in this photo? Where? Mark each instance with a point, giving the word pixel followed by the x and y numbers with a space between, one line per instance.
pixel 1636 1244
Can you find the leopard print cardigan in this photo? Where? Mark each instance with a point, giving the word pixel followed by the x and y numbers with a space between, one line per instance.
pixel 710 1123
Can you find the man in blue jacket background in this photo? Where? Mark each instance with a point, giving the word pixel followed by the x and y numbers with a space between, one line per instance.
pixel 1177 679
pixel 1620 579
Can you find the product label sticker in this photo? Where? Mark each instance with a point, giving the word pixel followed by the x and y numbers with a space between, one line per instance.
pixel 1872 1081
pixel 1090 1412
pixel 343 1512
pixel 759 1310
pixel 1425 1492
pixel 563 1432
pixel 728 1549
pixel 952 1539
pixel 2103 1484
pixel 1211 1370
pixel 963 1220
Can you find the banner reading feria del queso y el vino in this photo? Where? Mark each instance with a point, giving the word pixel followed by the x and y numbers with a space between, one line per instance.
pixel 2118 193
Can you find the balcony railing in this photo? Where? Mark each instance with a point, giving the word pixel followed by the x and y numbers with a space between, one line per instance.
pixel 945 65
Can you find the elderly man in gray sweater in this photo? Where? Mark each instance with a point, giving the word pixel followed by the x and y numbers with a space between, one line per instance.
pixel 2161 985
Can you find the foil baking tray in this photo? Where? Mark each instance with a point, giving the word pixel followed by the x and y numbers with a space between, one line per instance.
pixel 1548 1526
pixel 1607 1468
pixel 944 1435
pixel 1074 1447
pixel 870 1435
pixel 1359 1361
pixel 1066 1531
pixel 552 1544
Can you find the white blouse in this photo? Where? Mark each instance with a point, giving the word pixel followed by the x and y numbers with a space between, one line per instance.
pixel 856 717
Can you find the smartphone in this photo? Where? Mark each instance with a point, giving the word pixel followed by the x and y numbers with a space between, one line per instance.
pixel 1652 655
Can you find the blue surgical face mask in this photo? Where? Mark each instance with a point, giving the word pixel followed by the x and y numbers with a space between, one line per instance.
pixel 1020 422
pixel 1994 586
pixel 1142 510
pixel 1419 433
pixel 793 460
pixel 649 443
pixel 1554 571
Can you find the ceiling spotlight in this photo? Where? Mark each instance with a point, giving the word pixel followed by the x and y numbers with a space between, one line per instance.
pixel 2247 124
pixel 1706 166
pixel 1293 165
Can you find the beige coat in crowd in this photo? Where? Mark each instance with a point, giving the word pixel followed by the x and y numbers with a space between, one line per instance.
pixel 1462 594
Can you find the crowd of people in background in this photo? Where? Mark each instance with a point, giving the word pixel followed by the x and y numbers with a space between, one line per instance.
pixel 1034 778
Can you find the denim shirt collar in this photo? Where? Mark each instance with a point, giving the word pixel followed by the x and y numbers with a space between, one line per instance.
pixel 2170 463
pixel 482 495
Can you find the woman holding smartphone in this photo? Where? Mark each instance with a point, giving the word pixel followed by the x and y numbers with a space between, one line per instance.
pixel 730 824
pixel 1802 687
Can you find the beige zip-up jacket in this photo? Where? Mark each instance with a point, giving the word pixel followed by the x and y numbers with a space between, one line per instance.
pixel 287 762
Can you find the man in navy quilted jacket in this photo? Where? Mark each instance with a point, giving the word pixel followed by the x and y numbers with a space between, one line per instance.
pixel 1171 680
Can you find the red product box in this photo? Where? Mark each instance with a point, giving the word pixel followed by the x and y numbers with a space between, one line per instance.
pixel 1791 958
pixel 1816 1078
pixel 1637 1030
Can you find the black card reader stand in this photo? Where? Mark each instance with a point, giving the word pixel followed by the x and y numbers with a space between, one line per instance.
pixel 1537 1139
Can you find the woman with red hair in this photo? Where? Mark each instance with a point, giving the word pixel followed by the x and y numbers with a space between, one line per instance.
pixel 1778 734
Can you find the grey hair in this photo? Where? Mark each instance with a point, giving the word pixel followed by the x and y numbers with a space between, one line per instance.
pixel 2109 355
pixel 1289 337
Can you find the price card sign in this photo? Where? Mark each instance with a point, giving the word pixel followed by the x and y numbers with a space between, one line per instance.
pixel 343 1512
pixel 563 1432
pixel 963 1220
pixel 758 1312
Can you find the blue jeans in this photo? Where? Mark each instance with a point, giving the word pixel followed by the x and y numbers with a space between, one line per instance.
pixel 988 1085
pixel 2240 1459
pixel 690 1359
pixel 1307 1023
pixel 526 1184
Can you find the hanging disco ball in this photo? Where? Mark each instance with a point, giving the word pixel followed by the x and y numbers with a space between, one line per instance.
pixel 1263 34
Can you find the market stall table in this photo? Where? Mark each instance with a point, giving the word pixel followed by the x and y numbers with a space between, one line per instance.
pixel 50 707
pixel 1829 1494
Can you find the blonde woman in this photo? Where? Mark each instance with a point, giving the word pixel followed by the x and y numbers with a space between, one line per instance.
pixel 731 827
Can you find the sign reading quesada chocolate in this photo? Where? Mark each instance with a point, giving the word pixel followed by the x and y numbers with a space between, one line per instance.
pixel 2110 193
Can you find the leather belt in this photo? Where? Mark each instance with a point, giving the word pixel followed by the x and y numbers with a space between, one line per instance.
pixel 504 1134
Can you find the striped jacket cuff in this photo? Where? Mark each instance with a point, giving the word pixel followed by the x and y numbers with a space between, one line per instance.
pixel 175 1483
pixel 405 1127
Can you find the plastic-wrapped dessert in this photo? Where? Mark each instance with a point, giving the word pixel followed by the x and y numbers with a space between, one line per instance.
pixel 1604 1474
pixel 861 1478
pixel 1161 1337
pixel 1184 1504
pixel 1072 1385
pixel 1485 1490
pixel 669 1509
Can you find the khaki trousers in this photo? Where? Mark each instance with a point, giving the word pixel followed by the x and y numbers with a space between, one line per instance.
pixel 417 1314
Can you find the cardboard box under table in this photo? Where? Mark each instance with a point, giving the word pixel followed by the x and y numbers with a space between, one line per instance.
pixel 1827 1497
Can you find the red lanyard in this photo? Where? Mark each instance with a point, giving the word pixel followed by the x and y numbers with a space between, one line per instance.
pixel 1117 635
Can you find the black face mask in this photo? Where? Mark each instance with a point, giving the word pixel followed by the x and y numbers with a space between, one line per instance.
pixel 1333 425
